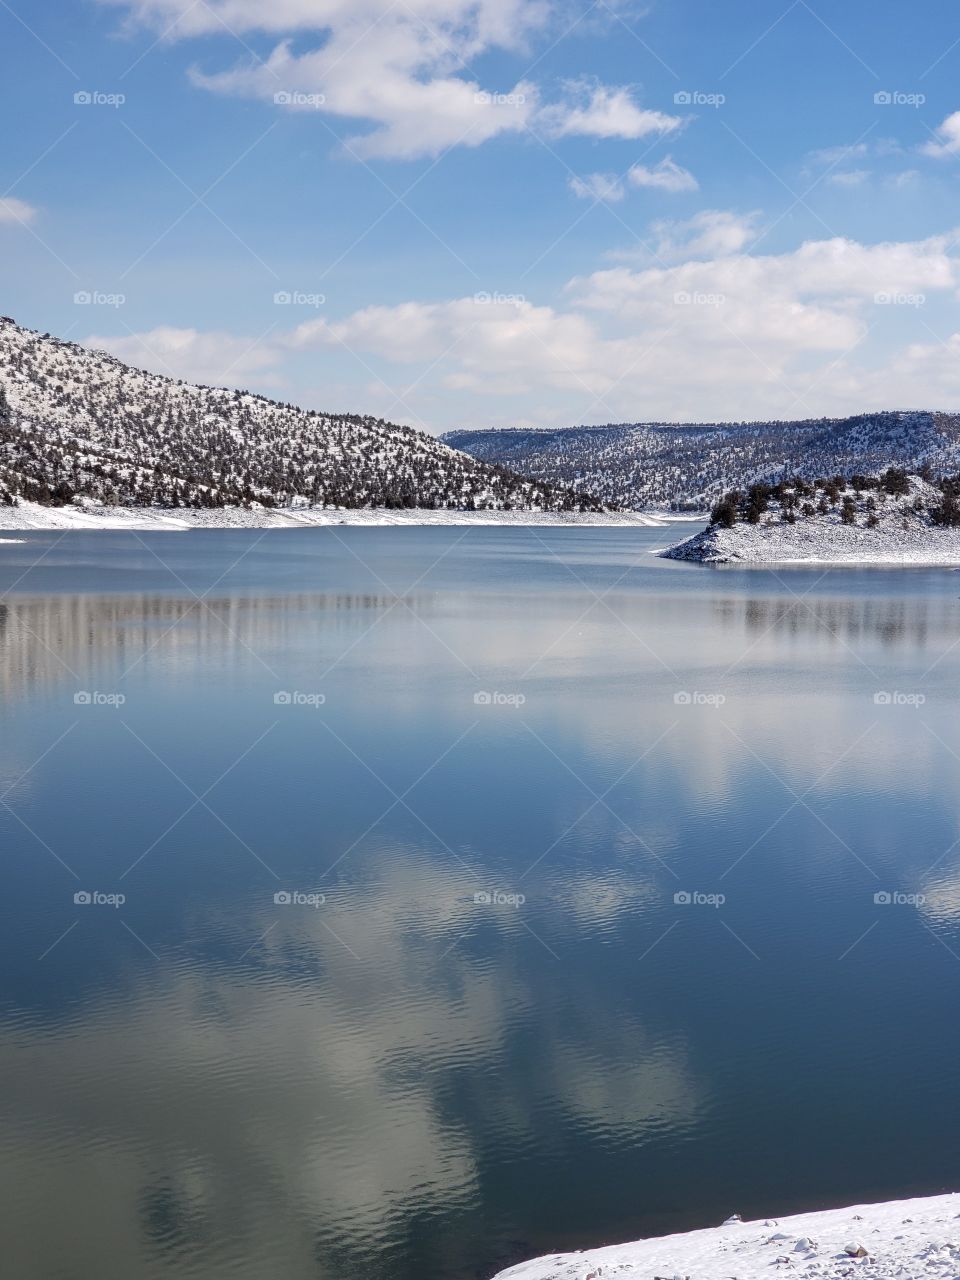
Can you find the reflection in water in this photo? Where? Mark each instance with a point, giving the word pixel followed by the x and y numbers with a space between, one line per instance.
pixel 309 1088
pixel 45 639
pixel 418 1079
pixel 890 622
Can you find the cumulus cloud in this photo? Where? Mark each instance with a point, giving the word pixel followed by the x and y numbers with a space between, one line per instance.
pixel 717 334
pixel 601 111
pixel 947 142
pixel 402 69
pixel 13 210
pixel 665 176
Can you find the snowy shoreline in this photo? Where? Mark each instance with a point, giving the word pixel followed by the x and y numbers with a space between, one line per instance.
pixel 899 1239
pixel 747 545
pixel 865 526
pixel 30 515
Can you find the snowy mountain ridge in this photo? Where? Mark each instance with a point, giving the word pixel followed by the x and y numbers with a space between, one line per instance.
pixel 79 423
pixel 649 466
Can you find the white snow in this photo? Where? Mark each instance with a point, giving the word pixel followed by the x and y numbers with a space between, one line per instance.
pixel 92 515
pixel 902 536
pixel 903 1239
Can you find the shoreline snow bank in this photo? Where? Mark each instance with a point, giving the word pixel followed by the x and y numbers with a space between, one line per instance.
pixel 30 515
pixel 818 544
pixel 902 1240
pixel 891 520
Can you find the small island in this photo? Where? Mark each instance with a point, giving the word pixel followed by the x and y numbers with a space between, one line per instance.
pixel 890 519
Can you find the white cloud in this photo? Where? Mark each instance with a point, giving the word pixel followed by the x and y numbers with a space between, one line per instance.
pixel 400 68
pixel 214 358
pixel 710 233
pixel 665 176
pixel 598 186
pixel 602 111
pixel 949 135
pixel 725 336
pixel 13 210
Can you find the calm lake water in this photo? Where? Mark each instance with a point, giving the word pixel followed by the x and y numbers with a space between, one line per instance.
pixel 583 942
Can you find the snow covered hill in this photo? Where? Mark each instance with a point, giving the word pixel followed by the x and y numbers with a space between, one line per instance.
pixel 75 421
pixel 643 466
pixel 890 519
pixel 899 1240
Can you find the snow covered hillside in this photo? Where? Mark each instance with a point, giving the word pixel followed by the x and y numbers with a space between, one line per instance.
pixel 899 1240
pixel 891 519
pixel 74 421
pixel 642 466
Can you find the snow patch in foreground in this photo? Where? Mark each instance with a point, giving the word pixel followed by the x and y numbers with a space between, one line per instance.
pixel 896 1240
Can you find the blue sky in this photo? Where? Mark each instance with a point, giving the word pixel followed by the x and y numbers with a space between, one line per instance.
pixel 494 212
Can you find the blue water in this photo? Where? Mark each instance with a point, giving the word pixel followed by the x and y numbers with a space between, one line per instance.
pixel 488 766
